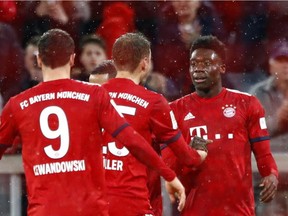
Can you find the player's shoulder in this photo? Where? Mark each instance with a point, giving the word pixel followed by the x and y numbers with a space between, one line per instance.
pixel 243 97
pixel 238 94
pixel 85 84
pixel 182 101
pixel 25 93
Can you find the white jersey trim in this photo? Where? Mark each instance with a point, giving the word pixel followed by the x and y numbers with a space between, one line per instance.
pixel 238 92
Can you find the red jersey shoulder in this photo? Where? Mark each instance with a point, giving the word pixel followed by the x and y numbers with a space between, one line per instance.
pixel 127 89
pixel 181 103
pixel 245 98
pixel 238 94
pixel 57 89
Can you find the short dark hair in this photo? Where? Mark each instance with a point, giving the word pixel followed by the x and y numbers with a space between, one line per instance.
pixel 92 39
pixel 129 49
pixel 55 48
pixel 210 42
pixel 33 41
pixel 106 67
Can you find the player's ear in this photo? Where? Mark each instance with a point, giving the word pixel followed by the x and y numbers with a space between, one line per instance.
pixel 222 68
pixel 39 61
pixel 72 59
pixel 145 66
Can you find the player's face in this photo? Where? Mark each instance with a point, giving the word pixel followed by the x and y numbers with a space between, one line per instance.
pixel 205 69
pixel 91 56
pixel 279 68
pixel 30 57
pixel 187 10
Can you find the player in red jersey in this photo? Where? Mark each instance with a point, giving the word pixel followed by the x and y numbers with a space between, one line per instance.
pixel 150 114
pixel 222 184
pixel 62 147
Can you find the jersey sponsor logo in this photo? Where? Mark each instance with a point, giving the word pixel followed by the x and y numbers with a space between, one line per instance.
pixel 59 167
pixel 262 123
pixel 229 111
pixel 202 131
pixel 189 116
pixel 199 131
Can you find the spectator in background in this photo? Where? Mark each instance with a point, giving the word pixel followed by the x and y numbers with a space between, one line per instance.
pixel 273 94
pixel 245 25
pixel 11 60
pixel 44 15
pixel 179 24
pixel 103 72
pixel 277 18
pixel 118 19
pixel 92 53
pixel 30 62
pixel 157 82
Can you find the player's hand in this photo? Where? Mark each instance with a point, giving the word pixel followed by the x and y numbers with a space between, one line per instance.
pixel 175 188
pixel 203 154
pixel 200 144
pixel 269 184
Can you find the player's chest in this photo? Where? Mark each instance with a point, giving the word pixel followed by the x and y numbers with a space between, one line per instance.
pixel 221 120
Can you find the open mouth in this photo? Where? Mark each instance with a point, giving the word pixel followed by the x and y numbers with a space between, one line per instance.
pixel 199 79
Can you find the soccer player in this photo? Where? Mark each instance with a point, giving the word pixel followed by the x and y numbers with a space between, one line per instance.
pixel 150 115
pixel 222 184
pixel 62 148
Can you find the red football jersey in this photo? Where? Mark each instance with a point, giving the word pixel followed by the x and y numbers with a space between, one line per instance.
pixel 235 121
pixel 60 127
pixel 148 113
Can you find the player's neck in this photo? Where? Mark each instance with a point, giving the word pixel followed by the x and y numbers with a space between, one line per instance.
pixel 209 93
pixel 50 74
pixel 128 75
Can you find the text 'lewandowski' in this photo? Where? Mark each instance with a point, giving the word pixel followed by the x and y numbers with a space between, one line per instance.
pixel 59 167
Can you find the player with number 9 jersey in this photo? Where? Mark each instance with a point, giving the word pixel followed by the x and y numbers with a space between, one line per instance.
pixel 66 144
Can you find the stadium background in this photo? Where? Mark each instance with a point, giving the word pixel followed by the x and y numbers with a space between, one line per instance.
pixel 250 30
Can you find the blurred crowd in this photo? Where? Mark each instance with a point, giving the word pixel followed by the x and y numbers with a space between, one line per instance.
pixel 248 28
pixel 255 34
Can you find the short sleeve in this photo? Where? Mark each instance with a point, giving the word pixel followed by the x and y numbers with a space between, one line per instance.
pixel 8 129
pixel 109 118
pixel 257 127
pixel 173 105
pixel 163 122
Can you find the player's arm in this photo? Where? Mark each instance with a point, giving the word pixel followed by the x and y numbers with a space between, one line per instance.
pixel 260 141
pixel 7 129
